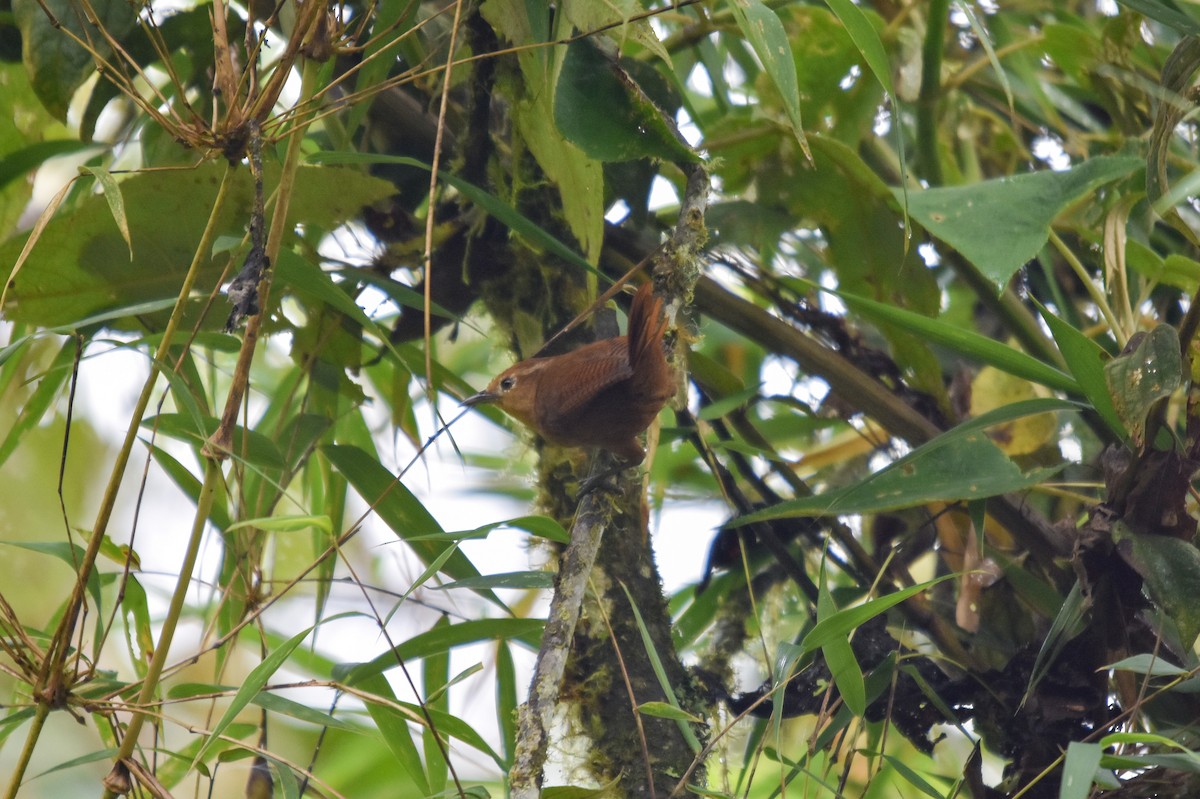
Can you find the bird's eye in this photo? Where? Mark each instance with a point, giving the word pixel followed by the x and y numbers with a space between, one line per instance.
pixel 507 383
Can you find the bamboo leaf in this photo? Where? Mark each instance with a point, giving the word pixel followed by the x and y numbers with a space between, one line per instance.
pixel 116 201
pixel 968 342
pixel 763 29
pixel 250 688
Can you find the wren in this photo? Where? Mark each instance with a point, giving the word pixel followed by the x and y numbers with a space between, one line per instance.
pixel 604 394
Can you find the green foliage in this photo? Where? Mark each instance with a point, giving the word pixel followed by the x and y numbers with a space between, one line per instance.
pixel 1000 224
pixel 936 372
pixel 50 36
pixel 597 105
pixel 82 266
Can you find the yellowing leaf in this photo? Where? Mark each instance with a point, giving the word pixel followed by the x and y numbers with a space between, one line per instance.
pixel 992 389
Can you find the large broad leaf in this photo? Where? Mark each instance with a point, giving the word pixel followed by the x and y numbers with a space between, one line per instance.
pixel 601 110
pixel 960 464
pixel 1000 224
pixel 81 264
pixel 56 62
pixel 1171 569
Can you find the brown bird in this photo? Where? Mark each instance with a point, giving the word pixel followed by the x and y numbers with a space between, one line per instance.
pixel 603 394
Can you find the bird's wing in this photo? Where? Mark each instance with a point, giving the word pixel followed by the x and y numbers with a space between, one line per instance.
pixel 590 370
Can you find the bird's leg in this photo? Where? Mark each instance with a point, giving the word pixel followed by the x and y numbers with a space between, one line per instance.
pixel 605 467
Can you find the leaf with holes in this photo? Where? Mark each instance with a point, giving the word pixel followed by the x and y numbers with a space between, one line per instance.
pixel 1152 368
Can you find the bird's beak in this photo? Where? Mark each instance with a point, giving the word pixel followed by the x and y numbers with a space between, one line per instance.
pixel 479 399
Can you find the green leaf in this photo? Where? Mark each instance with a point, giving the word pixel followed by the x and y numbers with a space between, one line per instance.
pixel 18 163
pixel 255 448
pixel 663 710
pixel 502 211
pixel 395 17
pixel 251 686
pixel 302 275
pixel 188 483
pixel 1148 664
pixel 506 701
pixel 430 571
pixel 48 390
pixel 393 726
pixel 179 766
pixel 867 40
pixel 1175 79
pixel 962 463
pixel 1171 569
pixel 525 631
pixel 435 673
pixel 1001 224
pixel 914 779
pixel 602 111
pixel 572 792
pixel 624 20
pixel 1085 358
pixel 13 721
pixel 843 622
pixel 1079 770
pixel 1166 13
pixel 1186 762
pixel 540 526
pixel 763 29
pixel 275 703
pixel 517 580
pixel 847 674
pixel 116 202
pixel 728 404
pixel 400 510
pixel 438 691
pixel 189 690
pixel 1140 378
pixel 56 62
pixel 660 672
pixel 968 342
pixel 1148 739
pixel 839 656
pixel 1178 270
pixel 286 524
pixel 80 266
pixel 136 610
pixel 15 345
pixel 68 553
pixel 1068 623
